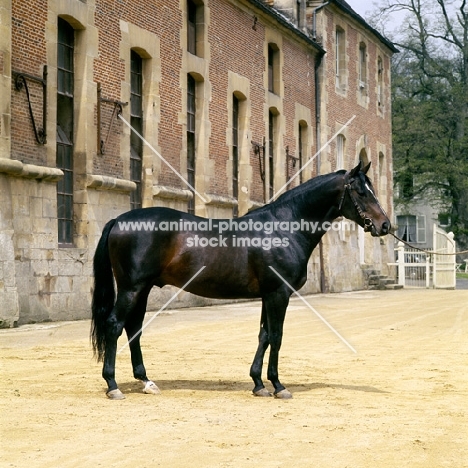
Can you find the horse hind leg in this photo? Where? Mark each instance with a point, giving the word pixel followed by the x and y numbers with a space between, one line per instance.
pixel 123 308
pixel 133 328
pixel 114 328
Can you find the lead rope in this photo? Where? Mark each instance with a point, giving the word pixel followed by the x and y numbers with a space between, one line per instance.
pixel 427 251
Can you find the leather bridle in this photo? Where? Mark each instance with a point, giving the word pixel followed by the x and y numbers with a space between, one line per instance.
pixel 368 223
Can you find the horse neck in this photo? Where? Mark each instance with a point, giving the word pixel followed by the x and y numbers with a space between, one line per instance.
pixel 318 199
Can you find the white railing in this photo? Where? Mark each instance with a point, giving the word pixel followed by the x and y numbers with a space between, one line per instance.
pixel 425 270
pixel 413 267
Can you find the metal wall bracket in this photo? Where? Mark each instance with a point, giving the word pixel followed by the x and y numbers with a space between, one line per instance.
pixel 259 149
pixel 294 159
pixel 118 105
pixel 21 81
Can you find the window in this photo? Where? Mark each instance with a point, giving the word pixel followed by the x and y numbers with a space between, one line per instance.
pixel 382 174
pixel 362 66
pixel 191 87
pixel 380 93
pixel 271 152
pixel 64 155
pixel 340 58
pixel 340 148
pixel 195 27
pixel 273 68
pixel 191 27
pixel 444 219
pixel 136 121
pixel 235 153
pixel 412 228
pixel 299 15
pixel 302 148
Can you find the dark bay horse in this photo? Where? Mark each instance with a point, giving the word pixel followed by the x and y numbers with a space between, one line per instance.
pixel 157 246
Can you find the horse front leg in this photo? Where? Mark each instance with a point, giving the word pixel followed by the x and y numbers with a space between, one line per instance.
pixel 276 305
pixel 257 364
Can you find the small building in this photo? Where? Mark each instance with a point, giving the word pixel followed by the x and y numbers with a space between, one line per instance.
pixel 236 95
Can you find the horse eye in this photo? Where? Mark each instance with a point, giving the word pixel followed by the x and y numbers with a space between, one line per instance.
pixel 359 188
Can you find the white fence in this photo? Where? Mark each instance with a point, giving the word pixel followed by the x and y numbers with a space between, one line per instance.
pixel 445 266
pixel 425 270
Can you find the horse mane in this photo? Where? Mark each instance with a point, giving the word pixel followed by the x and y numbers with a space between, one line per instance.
pixel 300 191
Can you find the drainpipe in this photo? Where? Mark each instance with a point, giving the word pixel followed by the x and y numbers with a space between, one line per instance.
pixel 323 282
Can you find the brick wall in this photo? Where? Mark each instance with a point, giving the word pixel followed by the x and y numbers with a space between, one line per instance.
pixel 28 56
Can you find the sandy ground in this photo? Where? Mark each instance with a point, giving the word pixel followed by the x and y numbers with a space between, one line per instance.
pixel 400 401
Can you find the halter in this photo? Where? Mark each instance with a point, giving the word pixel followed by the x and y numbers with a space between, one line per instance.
pixel 367 221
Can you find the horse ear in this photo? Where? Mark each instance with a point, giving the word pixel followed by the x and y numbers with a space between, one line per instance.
pixel 355 171
pixel 366 168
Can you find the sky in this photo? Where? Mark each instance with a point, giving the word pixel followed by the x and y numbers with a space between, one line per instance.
pixel 361 6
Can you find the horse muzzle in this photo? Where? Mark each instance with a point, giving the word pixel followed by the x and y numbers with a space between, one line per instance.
pixel 375 231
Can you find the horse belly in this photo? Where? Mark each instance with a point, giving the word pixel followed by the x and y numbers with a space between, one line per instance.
pixel 214 274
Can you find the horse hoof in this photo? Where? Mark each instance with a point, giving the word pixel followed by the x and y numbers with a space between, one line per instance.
pixel 263 392
pixel 115 395
pixel 152 388
pixel 284 395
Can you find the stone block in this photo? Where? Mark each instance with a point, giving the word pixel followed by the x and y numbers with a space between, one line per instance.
pixel 40 267
pixel 49 209
pixel 21 205
pixel 35 207
pixel 24 241
pixel 63 284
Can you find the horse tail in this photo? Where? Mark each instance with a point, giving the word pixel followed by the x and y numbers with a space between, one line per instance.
pixel 103 294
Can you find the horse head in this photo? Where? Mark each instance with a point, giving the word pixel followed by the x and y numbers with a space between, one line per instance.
pixel 359 203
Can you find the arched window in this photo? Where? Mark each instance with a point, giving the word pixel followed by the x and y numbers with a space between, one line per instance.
pixel 362 67
pixel 340 58
pixel 235 153
pixel 380 90
pixel 273 68
pixel 340 150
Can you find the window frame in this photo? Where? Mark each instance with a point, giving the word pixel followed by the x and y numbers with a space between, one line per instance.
pixel 235 153
pixel 136 121
pixel 191 142
pixel 65 131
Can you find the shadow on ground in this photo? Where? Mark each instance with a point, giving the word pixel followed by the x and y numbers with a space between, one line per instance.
pixel 236 386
